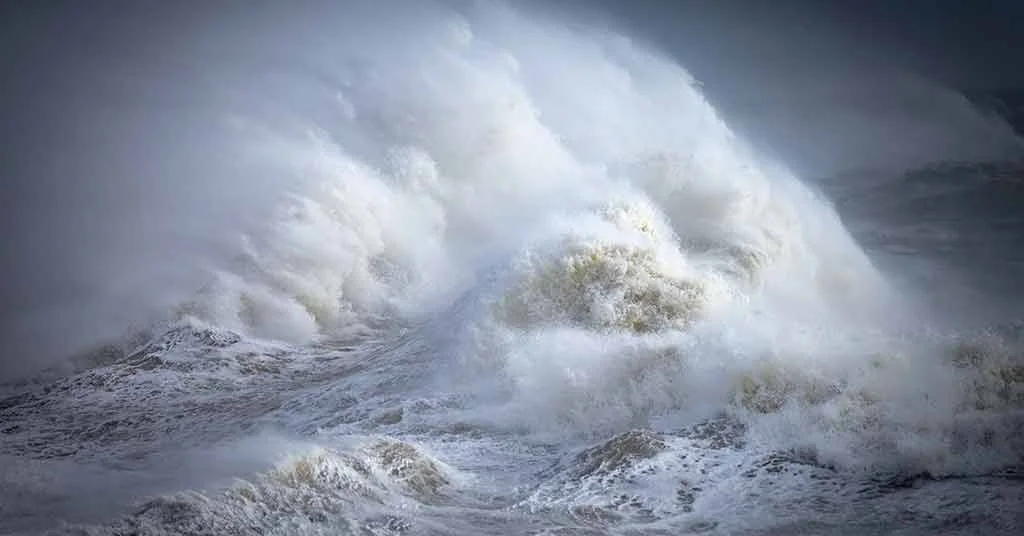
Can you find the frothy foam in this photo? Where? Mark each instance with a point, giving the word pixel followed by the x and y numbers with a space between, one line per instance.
pixel 443 168
pixel 630 258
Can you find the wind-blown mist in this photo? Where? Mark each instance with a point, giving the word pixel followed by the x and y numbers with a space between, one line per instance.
pixel 445 249
pixel 155 140
pixel 831 87
pixel 145 150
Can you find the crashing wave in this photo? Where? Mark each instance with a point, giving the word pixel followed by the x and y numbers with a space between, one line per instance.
pixel 319 491
pixel 604 288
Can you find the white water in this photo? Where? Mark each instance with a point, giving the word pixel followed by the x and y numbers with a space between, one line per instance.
pixel 514 241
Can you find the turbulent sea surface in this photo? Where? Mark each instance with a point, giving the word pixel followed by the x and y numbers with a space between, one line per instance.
pixel 534 284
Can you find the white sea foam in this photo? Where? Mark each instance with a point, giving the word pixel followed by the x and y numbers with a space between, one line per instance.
pixel 630 259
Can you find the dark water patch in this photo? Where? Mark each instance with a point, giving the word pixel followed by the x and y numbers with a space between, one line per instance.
pixel 722 432
pixel 619 453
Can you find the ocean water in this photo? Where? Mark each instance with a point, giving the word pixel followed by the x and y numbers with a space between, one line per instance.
pixel 533 283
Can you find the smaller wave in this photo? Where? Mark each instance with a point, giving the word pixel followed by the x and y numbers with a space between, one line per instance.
pixel 319 491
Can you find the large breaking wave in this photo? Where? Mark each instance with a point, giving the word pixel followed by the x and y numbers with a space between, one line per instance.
pixel 516 238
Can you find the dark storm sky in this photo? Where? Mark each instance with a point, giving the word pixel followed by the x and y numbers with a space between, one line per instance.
pixel 975 44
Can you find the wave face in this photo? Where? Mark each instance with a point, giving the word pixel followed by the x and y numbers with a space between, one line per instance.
pixel 532 284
